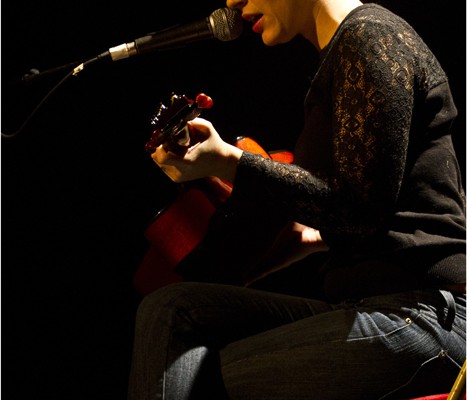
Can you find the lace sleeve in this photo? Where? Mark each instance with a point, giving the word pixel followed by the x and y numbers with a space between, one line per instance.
pixel 371 72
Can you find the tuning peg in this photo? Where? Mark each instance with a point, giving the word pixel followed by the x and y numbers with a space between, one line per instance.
pixel 157 115
pixel 204 101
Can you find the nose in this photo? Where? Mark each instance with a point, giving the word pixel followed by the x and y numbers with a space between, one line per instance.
pixel 236 4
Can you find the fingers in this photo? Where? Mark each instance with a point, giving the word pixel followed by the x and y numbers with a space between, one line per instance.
pixel 196 160
pixel 201 124
pixel 164 156
pixel 201 128
pixel 162 159
pixel 159 155
pixel 173 164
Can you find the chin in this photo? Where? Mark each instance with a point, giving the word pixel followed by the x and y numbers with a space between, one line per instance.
pixel 268 41
pixel 273 39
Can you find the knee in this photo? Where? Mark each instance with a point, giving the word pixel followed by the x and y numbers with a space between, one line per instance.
pixel 167 300
pixel 161 297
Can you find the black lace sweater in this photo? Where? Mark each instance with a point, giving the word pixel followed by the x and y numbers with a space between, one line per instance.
pixel 375 169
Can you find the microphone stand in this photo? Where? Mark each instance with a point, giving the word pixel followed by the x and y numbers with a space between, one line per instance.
pixel 34 74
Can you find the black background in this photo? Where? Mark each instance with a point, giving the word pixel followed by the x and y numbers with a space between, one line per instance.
pixel 78 190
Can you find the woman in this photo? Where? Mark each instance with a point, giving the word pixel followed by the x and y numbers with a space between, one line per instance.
pixel 375 186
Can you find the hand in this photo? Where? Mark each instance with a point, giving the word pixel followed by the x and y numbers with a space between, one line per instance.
pixel 295 242
pixel 205 155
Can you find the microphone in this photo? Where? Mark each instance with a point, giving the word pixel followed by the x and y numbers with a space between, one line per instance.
pixel 224 24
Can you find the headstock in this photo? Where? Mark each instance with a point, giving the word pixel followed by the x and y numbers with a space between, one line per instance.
pixel 169 122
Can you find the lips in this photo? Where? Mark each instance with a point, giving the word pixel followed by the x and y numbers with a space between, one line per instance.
pixel 256 20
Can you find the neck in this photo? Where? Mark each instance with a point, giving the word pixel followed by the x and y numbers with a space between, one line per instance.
pixel 328 15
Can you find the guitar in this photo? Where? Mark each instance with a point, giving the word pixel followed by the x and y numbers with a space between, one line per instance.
pixel 169 123
pixel 180 226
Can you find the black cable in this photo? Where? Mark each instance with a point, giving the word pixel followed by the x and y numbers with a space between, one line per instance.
pixel 74 72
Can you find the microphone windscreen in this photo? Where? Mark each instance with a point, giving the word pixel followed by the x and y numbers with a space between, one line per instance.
pixel 226 24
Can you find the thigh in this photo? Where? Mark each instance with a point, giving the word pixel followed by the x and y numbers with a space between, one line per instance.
pixel 354 351
pixel 220 314
pixel 180 328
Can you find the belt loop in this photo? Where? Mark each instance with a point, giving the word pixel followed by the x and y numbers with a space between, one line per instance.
pixel 448 318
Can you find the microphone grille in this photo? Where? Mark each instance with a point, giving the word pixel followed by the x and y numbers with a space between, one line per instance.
pixel 226 24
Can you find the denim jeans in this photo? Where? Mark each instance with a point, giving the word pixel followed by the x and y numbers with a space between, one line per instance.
pixel 210 341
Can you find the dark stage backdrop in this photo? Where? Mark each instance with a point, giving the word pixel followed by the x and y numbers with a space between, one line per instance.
pixel 78 190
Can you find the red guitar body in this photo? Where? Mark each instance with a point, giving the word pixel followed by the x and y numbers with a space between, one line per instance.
pixel 176 230
pixel 172 235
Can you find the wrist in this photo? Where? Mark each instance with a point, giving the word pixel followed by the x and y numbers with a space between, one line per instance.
pixel 231 156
